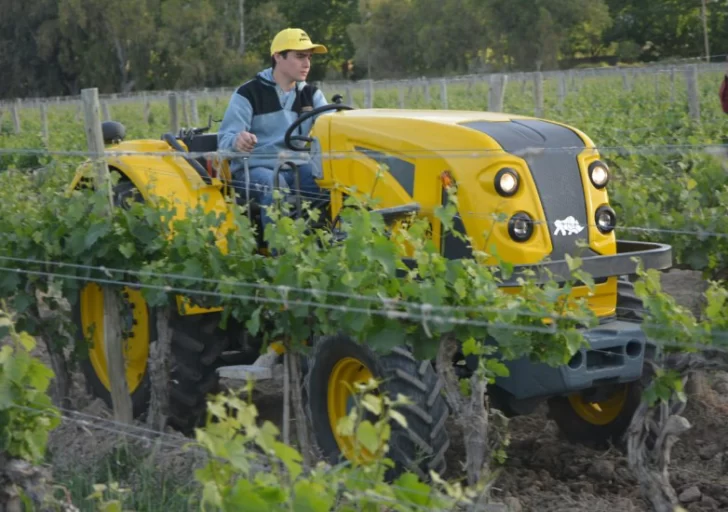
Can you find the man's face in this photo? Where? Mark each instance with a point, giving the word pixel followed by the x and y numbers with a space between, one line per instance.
pixel 295 65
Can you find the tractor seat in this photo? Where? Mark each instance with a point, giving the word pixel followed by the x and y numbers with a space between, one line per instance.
pixel 203 143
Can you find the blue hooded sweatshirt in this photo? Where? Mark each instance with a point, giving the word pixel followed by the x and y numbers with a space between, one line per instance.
pixel 261 107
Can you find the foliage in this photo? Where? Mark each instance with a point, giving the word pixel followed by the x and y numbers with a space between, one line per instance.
pixel 108 498
pixel 252 469
pixel 676 330
pixel 646 23
pixel 26 413
pixel 43 226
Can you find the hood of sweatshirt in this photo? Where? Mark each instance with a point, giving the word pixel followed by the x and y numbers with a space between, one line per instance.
pixel 266 77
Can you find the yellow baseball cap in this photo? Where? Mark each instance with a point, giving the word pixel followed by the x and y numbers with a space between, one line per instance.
pixel 294 39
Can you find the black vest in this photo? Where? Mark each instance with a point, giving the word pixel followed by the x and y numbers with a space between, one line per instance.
pixel 264 100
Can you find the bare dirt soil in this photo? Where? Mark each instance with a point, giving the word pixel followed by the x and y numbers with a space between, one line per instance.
pixel 543 471
pixel 547 473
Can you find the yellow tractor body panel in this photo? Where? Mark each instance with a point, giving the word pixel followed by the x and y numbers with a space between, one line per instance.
pixel 168 177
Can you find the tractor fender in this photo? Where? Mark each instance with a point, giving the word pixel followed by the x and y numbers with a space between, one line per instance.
pixel 164 174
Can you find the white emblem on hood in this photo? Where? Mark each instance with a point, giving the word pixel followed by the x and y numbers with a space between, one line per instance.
pixel 568 226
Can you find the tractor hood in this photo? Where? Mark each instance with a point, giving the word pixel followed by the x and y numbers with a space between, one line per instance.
pixel 551 162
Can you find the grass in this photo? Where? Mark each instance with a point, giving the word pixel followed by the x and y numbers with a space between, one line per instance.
pixel 151 484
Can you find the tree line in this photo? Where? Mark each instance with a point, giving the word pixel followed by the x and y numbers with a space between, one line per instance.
pixel 58 47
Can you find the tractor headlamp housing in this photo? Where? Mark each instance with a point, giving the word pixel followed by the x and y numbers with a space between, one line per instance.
pixel 520 227
pixel 605 219
pixel 507 182
pixel 599 174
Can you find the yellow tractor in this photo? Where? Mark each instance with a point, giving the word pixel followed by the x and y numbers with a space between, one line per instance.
pixel 546 178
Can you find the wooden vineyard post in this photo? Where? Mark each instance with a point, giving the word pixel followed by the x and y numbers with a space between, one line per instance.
pixel 173 113
pixel 112 327
pixel 369 94
pixel 16 116
pixel 44 122
pixel 147 109
pixel 691 73
pixel 105 111
pixel 497 92
pixel 194 113
pixel 562 89
pixel 185 110
pixel 538 93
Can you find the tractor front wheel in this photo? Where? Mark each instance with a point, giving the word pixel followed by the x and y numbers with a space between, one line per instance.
pixel 338 363
pixel 598 420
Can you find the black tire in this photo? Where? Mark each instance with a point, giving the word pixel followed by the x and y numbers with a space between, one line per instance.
pixel 578 430
pixel 124 192
pixel 629 306
pixel 196 348
pixel 419 448
pixel 575 427
pixel 197 344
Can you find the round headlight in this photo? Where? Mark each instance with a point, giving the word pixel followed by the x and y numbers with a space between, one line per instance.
pixel 506 182
pixel 599 174
pixel 520 227
pixel 605 219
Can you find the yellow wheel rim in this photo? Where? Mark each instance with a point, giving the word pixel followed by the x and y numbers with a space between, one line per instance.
pixel 599 413
pixel 342 380
pixel 135 333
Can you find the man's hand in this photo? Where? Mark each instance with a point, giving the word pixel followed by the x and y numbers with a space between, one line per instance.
pixel 245 141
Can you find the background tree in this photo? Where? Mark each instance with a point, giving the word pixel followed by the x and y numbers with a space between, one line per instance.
pixel 667 28
pixel 530 32
pixel 57 48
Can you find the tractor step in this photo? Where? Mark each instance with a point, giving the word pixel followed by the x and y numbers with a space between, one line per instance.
pixel 261 369
pixel 246 372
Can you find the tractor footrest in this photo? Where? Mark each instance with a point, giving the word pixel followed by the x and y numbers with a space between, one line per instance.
pixel 246 372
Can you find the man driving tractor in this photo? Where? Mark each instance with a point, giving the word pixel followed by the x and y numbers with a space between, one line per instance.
pixel 260 112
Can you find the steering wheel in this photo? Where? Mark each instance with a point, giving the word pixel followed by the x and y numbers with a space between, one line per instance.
pixel 288 138
pixel 170 139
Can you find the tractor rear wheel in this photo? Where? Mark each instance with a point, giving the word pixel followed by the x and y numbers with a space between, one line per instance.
pixel 338 363
pixel 599 421
pixel 138 326
pixel 197 344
